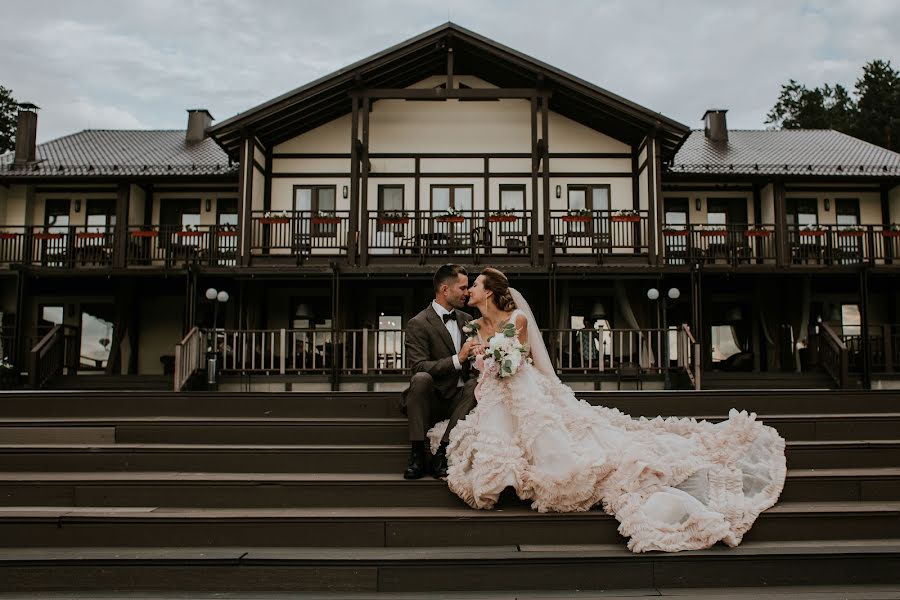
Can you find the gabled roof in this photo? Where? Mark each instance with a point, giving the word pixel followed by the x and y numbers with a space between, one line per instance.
pixel 327 98
pixel 104 152
pixel 806 152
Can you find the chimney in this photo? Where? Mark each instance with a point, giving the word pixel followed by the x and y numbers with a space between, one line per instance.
pixel 714 125
pixel 26 134
pixel 198 120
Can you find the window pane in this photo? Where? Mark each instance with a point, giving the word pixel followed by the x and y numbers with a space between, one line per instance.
pixel 724 342
pixel 600 198
pixel 96 337
pixel 676 218
pixel 462 198
pixel 440 198
pixel 303 199
pixel 850 321
pixel 52 315
pixel 391 199
pixel 716 218
pixel 512 199
pixel 326 198
pixel 577 199
pixel 228 219
pixel 847 220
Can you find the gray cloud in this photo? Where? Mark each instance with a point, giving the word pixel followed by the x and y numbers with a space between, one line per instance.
pixel 139 64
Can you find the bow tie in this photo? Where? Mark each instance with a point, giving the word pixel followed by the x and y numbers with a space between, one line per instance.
pixel 449 316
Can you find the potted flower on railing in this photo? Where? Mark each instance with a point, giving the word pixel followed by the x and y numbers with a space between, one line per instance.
pixel 812 230
pixel 7 235
pixel 851 231
pixel 90 235
pixel 325 217
pixel 577 215
pixel 451 216
pixel 713 231
pixel 146 231
pixel 626 216
pixel 892 230
pixel 190 230
pixel 502 216
pixel 393 218
pixel 757 231
pixel 270 218
pixel 228 230
pixel 48 235
pixel 674 231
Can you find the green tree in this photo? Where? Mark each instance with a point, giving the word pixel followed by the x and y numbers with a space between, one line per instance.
pixel 827 107
pixel 8 116
pixel 879 105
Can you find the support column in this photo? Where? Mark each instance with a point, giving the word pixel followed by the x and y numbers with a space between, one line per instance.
pixel 28 250
pixel 354 180
pixel 782 248
pixel 651 202
pixel 660 209
pixel 885 220
pixel 864 327
pixel 534 183
pixel 545 172
pixel 364 185
pixel 120 233
pixel 245 189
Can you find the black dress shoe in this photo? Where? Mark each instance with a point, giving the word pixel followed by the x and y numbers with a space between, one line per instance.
pixel 439 463
pixel 415 467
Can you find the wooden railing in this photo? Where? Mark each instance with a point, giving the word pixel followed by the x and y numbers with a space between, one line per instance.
pixel 299 234
pixel 843 244
pixel 720 244
pixel 600 233
pixel 189 354
pixel 834 356
pixel 13 242
pixel 48 358
pixel 689 350
pixel 66 246
pixel 175 246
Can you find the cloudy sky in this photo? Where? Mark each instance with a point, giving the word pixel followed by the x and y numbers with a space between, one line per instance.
pixel 141 63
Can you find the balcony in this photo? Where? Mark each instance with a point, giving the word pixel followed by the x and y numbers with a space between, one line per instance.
pixel 176 246
pixel 720 244
pixel 62 247
pixel 299 236
pixel 843 244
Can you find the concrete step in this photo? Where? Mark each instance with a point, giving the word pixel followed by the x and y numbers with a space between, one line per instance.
pixel 347 490
pixel 372 430
pixel 459 572
pixel 337 458
pixel 399 526
pixel 386 404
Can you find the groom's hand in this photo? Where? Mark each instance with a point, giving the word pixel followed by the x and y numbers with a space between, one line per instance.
pixel 468 348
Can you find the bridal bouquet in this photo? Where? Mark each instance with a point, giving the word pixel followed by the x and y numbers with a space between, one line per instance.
pixel 504 353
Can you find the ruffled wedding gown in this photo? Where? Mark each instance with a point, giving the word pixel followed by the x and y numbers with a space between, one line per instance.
pixel 673 484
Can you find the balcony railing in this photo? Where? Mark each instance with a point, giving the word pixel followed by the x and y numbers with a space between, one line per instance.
pixel 843 244
pixel 736 244
pixel 299 234
pixel 600 233
pixel 58 246
pixel 471 233
pixel 12 244
pixel 175 246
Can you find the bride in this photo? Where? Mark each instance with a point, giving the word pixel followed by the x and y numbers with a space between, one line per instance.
pixel 673 484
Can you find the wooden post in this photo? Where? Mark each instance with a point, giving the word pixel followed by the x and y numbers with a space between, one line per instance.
pixel 120 233
pixel 28 250
pixel 782 248
pixel 449 67
pixel 534 175
pixel 364 186
pixel 888 348
pixel 417 223
pixel 659 210
pixel 545 172
pixel 886 220
pixel 651 201
pixel 354 180
pixel 864 326
pixel 245 189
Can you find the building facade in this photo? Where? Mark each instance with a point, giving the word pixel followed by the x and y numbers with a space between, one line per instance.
pixel 323 213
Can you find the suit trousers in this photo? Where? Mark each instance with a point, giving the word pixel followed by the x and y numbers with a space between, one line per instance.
pixel 425 405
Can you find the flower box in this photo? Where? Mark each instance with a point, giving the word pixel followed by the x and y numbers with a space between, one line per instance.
pixel 393 221
pixel 713 233
pixel 576 218
pixel 812 233
pixel 227 233
pixel 891 233
pixel 851 233
pixel 274 220
pixel 450 219
pixel 325 220
pixel 676 233
pixel 90 235
pixel 502 218
pixel 758 233
pixel 190 233
pixel 626 218
pixel 12 236
pixel 48 236
pixel 144 234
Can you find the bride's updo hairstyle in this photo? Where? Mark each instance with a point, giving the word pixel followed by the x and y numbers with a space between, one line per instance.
pixel 496 282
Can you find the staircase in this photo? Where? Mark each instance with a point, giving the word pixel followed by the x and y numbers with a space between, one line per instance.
pixel 303 492
pixel 810 380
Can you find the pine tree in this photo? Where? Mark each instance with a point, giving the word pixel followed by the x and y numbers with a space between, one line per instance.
pixel 8 116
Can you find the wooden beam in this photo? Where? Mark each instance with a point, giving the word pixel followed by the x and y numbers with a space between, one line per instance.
pixel 120 232
pixel 659 207
pixel 782 250
pixel 534 175
pixel 651 202
pixel 545 172
pixel 442 94
pixel 885 220
pixel 354 180
pixel 450 68
pixel 245 189
pixel 364 185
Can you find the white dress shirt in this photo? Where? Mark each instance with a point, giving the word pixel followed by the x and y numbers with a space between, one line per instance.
pixel 455 334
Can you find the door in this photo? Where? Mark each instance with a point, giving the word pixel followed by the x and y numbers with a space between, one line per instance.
pixel 730 215
pixel 226 233
pixel 849 237
pixel 675 230
pixel 55 237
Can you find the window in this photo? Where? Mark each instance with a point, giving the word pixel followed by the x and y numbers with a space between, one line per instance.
pixel 802 211
pixel 847 211
pixel 512 198
pixel 593 198
pixel 390 201
pixel 101 216
pixel 56 215
pixel 390 341
pixel 850 320
pixel 227 214
pixel 309 201
pixel 458 197
pixel 676 212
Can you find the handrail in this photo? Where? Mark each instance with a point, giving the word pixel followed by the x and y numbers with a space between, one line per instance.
pixel 835 356
pixel 188 357
pixel 47 358
pixel 693 371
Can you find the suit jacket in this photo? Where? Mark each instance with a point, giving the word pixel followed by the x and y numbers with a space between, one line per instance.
pixel 429 349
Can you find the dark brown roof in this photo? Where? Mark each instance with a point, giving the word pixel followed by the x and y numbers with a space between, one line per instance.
pixel 328 98
pixel 813 152
pixel 104 152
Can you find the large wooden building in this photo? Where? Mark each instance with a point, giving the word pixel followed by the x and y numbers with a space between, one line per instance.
pixel 323 213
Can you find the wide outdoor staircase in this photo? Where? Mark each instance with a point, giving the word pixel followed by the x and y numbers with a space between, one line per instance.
pixel 303 492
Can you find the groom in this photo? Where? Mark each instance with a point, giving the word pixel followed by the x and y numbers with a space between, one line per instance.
pixel 437 354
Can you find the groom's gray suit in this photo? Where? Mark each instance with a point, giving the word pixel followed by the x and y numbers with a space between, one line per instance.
pixel 437 390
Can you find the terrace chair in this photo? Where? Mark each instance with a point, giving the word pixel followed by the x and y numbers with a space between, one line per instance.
pixel 629 371
pixel 482 239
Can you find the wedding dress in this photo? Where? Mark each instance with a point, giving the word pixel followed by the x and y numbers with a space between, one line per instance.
pixel 672 483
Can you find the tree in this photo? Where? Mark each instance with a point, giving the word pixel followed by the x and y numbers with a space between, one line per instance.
pixel 879 105
pixel 8 117
pixel 871 113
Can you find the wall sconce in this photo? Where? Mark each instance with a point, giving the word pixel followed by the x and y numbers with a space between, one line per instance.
pixel 559 191
pixel 827 204
pixel 697 204
pixel 78 206
pixel 208 204
pixel 345 191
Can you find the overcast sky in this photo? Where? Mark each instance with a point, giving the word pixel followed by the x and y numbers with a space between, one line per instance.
pixel 140 64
